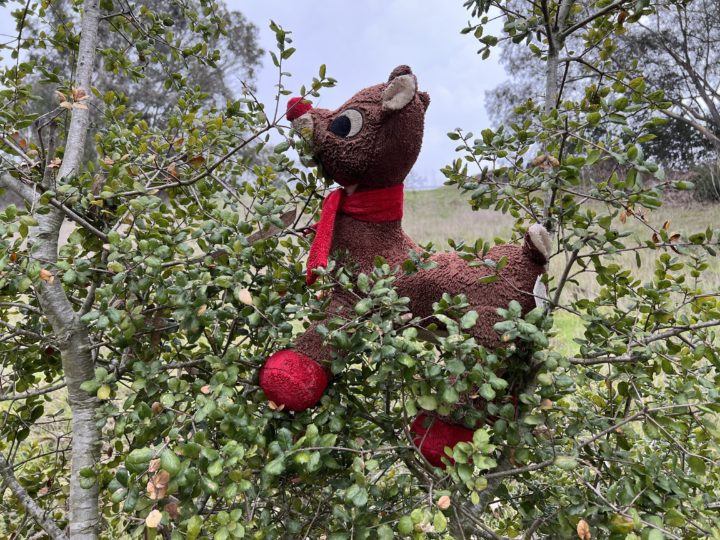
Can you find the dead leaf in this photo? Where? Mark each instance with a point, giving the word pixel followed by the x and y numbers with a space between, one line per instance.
pixel 60 95
pixel 546 404
pixel 156 407
pixel 108 161
pixel 79 94
pixel 583 530
pixel 46 275
pixel 158 484
pixel 13 257
pixel 55 163
pixel 444 502
pixel 172 170
pixel 245 297
pixel 545 162
pixel 172 509
pixel 623 216
pixel 202 309
pixel 196 161
pixel 666 225
pixel 153 519
pixel 275 407
pixel 66 105
pixel 154 465
pixel 205 389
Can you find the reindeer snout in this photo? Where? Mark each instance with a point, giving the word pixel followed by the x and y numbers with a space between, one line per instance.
pixel 298 112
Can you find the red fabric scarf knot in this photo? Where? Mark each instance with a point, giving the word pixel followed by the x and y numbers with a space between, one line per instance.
pixel 375 206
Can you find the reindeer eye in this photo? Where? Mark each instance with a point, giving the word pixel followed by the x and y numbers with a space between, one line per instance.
pixel 347 123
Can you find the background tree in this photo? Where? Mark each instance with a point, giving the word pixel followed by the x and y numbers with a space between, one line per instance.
pixel 130 351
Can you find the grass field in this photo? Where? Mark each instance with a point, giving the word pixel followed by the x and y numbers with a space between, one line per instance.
pixel 439 214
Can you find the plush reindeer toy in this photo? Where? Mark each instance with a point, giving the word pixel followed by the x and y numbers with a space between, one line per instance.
pixel 368 146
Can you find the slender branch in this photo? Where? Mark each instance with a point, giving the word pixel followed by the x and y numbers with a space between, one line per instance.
pixel 31 393
pixel 32 193
pixel 580 24
pixel 32 508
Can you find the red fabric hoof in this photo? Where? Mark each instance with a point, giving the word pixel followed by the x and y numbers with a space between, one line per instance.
pixel 293 379
pixel 432 435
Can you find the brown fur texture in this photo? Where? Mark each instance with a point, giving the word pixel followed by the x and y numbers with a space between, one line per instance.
pixel 380 154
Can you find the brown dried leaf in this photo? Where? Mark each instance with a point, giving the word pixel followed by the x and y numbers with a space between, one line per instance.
pixel 55 163
pixel 196 161
pixel 172 509
pixel 156 407
pixel 583 530
pixel 153 519
pixel 172 170
pixel 46 275
pixel 444 502
pixel 154 465
pixel 546 404
pixel 60 95
pixel 202 309
pixel 158 484
pixel 655 238
pixel 275 407
pixel 666 225
pixel 79 94
pixel 623 216
pixel 66 105
pixel 205 389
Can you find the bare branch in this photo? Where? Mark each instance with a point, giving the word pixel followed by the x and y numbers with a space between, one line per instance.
pixel 31 393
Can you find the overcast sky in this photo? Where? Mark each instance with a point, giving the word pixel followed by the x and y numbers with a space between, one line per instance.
pixel 361 41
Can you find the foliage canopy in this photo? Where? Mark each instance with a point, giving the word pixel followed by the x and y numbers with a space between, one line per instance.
pixel 130 350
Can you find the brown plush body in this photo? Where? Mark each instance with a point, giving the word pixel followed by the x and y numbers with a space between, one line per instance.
pixel 373 146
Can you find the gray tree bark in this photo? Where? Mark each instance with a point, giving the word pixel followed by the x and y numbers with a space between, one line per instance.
pixel 73 339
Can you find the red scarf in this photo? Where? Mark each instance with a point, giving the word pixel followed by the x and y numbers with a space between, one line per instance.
pixel 375 206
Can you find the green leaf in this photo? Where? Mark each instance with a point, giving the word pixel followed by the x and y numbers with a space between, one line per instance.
pixel 429 403
pixel 276 466
pixel 469 319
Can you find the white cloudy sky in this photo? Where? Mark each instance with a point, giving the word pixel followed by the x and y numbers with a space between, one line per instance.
pixel 361 41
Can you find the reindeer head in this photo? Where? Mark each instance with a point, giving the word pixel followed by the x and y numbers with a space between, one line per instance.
pixel 373 139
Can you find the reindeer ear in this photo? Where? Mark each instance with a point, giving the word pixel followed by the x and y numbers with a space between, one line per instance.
pixel 399 92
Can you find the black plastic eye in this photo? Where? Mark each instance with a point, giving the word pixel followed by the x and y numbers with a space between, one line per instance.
pixel 347 124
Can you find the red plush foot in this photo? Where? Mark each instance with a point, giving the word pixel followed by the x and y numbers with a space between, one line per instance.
pixel 432 435
pixel 293 379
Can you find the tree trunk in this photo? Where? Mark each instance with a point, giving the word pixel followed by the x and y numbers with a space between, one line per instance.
pixel 72 336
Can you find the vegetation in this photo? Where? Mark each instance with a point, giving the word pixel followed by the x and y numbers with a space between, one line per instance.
pixel 130 352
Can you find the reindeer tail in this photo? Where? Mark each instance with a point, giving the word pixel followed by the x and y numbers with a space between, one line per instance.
pixel 538 244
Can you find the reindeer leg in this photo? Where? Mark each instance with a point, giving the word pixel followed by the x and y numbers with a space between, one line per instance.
pixel 297 378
